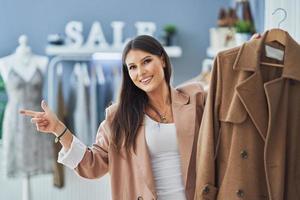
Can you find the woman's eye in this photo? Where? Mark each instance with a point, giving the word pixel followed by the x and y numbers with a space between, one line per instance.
pixel 147 61
pixel 131 67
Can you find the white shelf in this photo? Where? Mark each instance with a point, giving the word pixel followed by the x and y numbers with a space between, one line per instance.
pixel 212 52
pixel 52 50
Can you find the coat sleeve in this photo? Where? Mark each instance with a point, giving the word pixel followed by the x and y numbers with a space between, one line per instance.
pixel 206 187
pixel 95 162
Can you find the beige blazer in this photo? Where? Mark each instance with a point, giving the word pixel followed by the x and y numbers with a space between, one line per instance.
pixel 249 142
pixel 131 174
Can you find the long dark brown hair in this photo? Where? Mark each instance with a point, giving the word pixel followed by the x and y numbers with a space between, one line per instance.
pixel 132 100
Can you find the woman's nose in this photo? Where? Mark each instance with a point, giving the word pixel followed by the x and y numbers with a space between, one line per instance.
pixel 141 71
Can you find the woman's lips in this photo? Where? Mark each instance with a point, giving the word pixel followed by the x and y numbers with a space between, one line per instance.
pixel 146 81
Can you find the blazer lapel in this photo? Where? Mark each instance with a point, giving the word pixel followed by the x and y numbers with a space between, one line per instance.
pixel 184 115
pixel 143 160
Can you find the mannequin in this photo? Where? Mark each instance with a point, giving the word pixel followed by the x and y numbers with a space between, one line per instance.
pixel 26 152
pixel 23 57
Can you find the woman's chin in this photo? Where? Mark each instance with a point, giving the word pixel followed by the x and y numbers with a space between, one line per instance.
pixel 147 88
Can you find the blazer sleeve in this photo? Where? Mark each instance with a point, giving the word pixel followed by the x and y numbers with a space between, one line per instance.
pixel 206 147
pixel 95 162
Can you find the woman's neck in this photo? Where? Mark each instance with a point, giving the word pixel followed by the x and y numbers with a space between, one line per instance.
pixel 160 97
pixel 23 55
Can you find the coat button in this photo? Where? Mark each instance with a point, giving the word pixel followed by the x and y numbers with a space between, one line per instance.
pixel 244 154
pixel 140 198
pixel 206 190
pixel 240 193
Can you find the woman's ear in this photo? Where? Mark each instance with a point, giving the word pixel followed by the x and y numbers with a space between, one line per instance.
pixel 163 61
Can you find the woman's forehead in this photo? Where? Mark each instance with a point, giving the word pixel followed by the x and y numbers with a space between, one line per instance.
pixel 135 56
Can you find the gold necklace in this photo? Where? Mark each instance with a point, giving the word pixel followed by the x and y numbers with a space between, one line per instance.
pixel 163 118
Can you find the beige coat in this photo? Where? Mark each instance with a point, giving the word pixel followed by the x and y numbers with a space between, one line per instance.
pixel 249 141
pixel 131 174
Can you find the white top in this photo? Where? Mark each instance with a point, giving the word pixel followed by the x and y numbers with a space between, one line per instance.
pixel 163 148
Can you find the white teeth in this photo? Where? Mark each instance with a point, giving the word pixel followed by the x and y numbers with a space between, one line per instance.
pixel 146 80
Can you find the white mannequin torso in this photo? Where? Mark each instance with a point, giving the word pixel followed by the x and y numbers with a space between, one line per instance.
pixel 23 62
pixel 26 70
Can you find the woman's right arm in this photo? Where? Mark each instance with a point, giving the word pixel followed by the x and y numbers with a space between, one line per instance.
pixel 88 162
pixel 47 122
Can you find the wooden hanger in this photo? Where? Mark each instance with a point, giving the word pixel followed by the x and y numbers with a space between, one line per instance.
pixel 273 35
pixel 277 35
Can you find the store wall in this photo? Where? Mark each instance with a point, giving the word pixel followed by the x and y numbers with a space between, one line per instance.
pixel 38 18
pixel 258 10
pixel 291 23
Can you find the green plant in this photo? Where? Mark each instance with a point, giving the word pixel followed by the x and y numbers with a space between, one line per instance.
pixel 170 29
pixel 242 26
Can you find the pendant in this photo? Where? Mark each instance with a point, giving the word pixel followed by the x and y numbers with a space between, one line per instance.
pixel 163 119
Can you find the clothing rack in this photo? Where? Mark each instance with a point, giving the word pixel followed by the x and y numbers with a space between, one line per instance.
pixel 63 53
pixel 52 71
pixel 51 77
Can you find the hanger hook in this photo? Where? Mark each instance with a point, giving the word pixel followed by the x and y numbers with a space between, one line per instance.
pixel 285 15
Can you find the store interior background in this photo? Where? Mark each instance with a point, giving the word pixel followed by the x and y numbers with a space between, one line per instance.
pixel 37 19
pixel 193 18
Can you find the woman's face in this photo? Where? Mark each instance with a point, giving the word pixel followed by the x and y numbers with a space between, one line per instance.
pixel 145 69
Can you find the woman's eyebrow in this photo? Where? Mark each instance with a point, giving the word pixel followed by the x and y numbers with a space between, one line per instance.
pixel 140 60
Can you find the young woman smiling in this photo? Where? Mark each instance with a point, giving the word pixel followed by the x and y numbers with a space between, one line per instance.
pixel 148 140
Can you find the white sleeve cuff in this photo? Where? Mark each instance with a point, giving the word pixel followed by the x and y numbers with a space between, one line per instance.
pixel 72 157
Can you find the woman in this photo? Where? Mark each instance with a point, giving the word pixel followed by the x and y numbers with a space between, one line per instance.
pixel 148 140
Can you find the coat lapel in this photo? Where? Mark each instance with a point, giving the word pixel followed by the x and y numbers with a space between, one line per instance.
pixel 251 90
pixel 184 115
pixel 252 95
pixel 142 159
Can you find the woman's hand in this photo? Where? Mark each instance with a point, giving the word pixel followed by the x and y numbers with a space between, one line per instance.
pixel 46 121
pixel 255 36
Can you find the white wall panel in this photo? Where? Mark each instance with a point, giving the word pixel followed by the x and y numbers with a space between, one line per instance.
pixel 292 22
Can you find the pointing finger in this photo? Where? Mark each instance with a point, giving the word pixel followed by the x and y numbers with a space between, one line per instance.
pixel 30 113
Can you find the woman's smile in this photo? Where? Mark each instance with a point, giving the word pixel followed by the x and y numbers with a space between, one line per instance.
pixel 147 80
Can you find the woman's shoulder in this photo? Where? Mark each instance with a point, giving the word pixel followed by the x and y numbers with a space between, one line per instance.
pixel 111 110
pixel 194 90
pixel 190 88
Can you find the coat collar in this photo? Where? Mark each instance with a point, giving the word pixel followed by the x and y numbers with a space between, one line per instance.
pixel 179 97
pixel 248 58
pixel 256 96
pixel 182 112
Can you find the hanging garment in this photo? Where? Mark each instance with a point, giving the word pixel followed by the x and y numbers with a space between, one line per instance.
pixel 26 151
pixel 117 76
pixel 81 114
pixel 105 89
pixel 58 171
pixel 3 101
pixel 249 141
pixel 101 101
